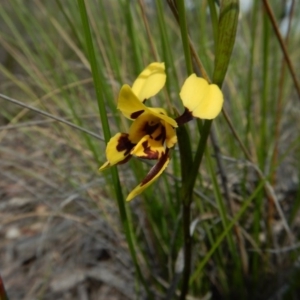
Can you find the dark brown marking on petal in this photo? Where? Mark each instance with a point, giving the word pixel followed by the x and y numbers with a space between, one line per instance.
pixel 185 117
pixel 162 136
pixel 144 100
pixel 136 114
pixel 150 154
pixel 156 168
pixel 150 129
pixel 124 144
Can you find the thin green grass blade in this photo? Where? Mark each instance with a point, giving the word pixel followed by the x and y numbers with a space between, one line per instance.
pixel 133 36
pixel 95 71
pixel 220 202
pixel 185 37
pixel 223 235
pixel 228 20
pixel 167 49
pixel 104 120
pixel 214 19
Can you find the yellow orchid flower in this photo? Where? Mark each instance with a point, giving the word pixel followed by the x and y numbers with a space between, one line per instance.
pixel 152 132
pixel 201 99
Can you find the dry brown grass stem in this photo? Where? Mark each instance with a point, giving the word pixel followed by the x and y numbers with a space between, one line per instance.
pixel 282 45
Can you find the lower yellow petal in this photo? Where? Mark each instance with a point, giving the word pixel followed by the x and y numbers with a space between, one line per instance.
pixel 202 99
pixel 148 148
pixel 117 150
pixel 153 174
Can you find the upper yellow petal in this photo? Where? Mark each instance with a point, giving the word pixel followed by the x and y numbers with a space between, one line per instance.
pixel 161 114
pixel 118 149
pixel 129 104
pixel 132 108
pixel 153 174
pixel 150 81
pixel 202 99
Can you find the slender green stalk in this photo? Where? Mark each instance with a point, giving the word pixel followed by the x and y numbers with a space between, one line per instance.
pixel 185 155
pixel 250 73
pixel 265 93
pixel 136 55
pixel 95 71
pixel 185 36
pixel 220 202
pixel 104 120
pixel 111 48
pixel 214 19
pixel 227 28
pixel 186 165
pixel 68 19
pixel 166 47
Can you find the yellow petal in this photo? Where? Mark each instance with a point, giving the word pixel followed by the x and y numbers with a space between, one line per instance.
pixel 153 174
pixel 161 114
pixel 105 166
pixel 202 99
pixel 132 108
pixel 148 148
pixel 129 104
pixel 117 150
pixel 150 81
pixel 171 137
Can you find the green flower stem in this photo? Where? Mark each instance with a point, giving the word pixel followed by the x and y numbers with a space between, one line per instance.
pixel 205 130
pixel 224 38
pixel 104 120
pixel 186 164
pixel 186 218
pixel 185 152
pixel 189 173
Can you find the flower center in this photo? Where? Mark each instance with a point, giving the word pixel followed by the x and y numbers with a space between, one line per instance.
pixel 147 124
